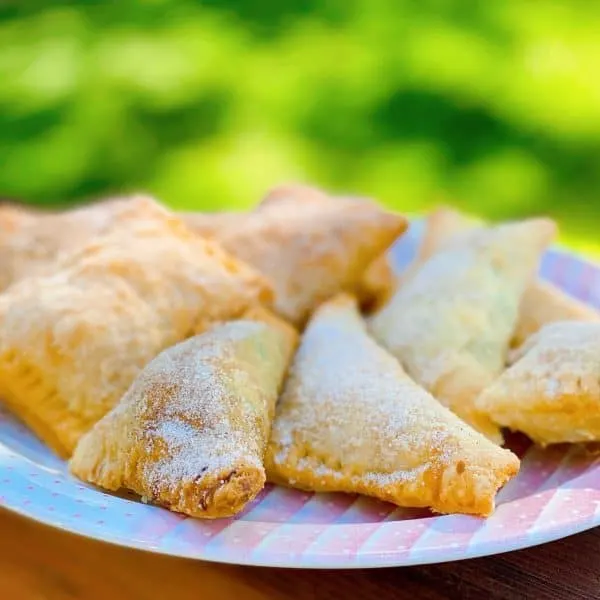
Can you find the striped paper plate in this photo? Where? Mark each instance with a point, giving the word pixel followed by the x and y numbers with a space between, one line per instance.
pixel 557 493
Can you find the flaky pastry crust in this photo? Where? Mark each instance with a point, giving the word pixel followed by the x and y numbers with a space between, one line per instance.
pixel 312 246
pixel 450 323
pixel 72 342
pixel 551 391
pixel 542 302
pixel 351 420
pixel 191 432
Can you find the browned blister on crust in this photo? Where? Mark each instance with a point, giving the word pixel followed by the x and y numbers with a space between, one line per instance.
pixel 551 392
pixel 191 432
pixel 72 342
pixel 351 420
pixel 450 324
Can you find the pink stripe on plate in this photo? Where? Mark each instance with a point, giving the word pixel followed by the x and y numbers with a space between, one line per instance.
pixel 323 508
pixel 195 534
pixel 537 465
pixel 343 541
pixel 319 511
pixel 364 517
pixel 278 505
pixel 145 521
pixel 589 478
pixel 239 540
pixel 569 507
pixel 578 497
pixel 451 533
pixel 454 532
pixel 367 510
pixel 392 540
pixel 192 535
pixel 403 513
pixel 577 462
pixel 515 518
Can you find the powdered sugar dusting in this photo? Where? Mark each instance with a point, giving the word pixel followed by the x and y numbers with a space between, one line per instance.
pixel 461 302
pixel 562 358
pixel 552 389
pixel 454 318
pixel 351 413
pixel 202 409
pixel 311 245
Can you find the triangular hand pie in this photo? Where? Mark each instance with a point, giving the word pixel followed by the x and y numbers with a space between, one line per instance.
pixel 351 420
pixel 450 324
pixel 542 302
pixel 71 343
pixel 552 390
pixel 191 432
pixel 311 245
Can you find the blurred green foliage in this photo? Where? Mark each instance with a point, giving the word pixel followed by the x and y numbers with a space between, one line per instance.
pixel 494 106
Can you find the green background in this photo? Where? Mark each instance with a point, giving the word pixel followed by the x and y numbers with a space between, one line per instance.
pixel 492 106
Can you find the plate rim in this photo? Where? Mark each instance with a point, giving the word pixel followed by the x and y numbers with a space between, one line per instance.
pixel 427 557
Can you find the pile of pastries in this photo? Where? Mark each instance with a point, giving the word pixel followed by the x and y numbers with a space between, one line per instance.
pixel 192 357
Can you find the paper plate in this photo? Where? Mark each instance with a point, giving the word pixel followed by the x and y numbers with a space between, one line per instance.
pixel 557 493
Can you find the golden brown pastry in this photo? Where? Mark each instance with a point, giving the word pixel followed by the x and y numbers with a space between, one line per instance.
pixel 31 241
pixel 552 390
pixel 377 285
pixel 450 324
pixel 312 246
pixel 71 343
pixel 351 420
pixel 374 289
pixel 542 302
pixel 191 432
